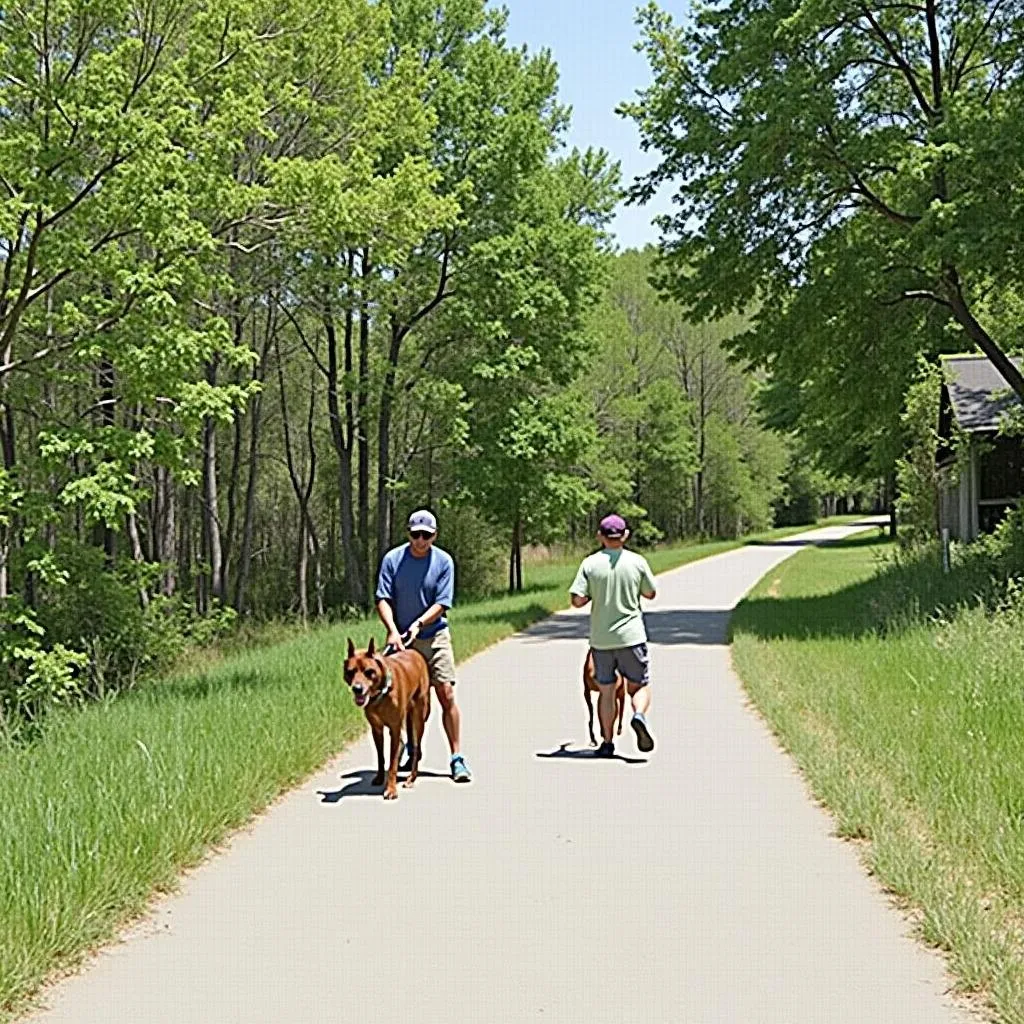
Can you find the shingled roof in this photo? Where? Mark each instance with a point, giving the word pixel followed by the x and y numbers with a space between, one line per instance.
pixel 978 394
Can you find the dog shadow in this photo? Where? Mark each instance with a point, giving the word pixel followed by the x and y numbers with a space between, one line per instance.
pixel 587 754
pixel 362 785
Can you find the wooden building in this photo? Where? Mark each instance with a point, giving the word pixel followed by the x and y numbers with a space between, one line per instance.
pixel 977 489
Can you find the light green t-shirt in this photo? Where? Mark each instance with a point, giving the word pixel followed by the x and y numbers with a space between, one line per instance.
pixel 614 580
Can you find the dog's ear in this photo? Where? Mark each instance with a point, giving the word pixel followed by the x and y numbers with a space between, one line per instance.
pixel 369 647
pixel 351 648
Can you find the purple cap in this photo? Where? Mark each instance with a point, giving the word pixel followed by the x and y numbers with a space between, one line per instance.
pixel 613 526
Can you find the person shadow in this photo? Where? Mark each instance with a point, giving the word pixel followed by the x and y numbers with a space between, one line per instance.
pixel 567 751
pixel 362 785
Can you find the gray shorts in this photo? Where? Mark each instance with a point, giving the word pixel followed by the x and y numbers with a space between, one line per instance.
pixel 631 662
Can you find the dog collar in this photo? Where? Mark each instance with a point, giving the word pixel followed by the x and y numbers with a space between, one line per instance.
pixel 384 691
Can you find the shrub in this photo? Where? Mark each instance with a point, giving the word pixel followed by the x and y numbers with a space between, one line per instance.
pixel 917 503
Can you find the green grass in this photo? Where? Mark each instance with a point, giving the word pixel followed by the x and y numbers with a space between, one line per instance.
pixel 108 804
pixel 900 696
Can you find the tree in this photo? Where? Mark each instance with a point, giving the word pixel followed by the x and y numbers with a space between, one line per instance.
pixel 670 407
pixel 525 343
pixel 841 144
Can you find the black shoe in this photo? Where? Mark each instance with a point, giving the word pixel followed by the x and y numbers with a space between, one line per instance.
pixel 605 750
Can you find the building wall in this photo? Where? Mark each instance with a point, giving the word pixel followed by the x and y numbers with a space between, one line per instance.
pixel 958 500
pixel 949 505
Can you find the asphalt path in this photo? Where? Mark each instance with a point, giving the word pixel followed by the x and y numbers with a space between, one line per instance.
pixel 699 884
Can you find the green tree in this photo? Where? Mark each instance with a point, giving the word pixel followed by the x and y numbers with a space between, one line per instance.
pixel 531 431
pixel 833 146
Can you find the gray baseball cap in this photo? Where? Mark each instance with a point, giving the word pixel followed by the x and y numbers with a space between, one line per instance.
pixel 423 520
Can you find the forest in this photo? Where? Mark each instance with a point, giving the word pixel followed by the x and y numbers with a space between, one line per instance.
pixel 275 274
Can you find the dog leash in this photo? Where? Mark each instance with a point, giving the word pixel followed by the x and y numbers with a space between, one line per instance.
pixel 391 648
pixel 389 679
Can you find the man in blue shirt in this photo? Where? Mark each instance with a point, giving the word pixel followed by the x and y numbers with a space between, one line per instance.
pixel 415 588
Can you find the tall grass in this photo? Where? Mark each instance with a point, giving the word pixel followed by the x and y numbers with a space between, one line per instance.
pixel 108 803
pixel 899 690
pixel 113 801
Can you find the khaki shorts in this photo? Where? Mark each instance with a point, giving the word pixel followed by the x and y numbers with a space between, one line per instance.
pixel 440 657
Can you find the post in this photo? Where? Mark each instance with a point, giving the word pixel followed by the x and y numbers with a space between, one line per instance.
pixel 945 549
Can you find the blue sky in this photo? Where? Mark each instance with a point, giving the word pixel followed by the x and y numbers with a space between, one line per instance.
pixel 592 43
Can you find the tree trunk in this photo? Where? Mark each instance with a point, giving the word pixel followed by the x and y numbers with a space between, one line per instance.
pixel 384 442
pixel 166 531
pixel 104 532
pixel 249 516
pixel 332 539
pixel 515 560
pixel 7 450
pixel 314 540
pixel 1007 370
pixel 302 570
pixel 355 572
pixel 234 478
pixel 890 503
pixel 186 548
pixel 361 428
pixel 212 548
pixel 137 554
pixel 303 489
pixel 343 448
pixel 318 575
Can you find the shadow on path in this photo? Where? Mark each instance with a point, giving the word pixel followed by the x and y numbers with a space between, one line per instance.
pixel 670 627
pixel 362 785
pixel 587 754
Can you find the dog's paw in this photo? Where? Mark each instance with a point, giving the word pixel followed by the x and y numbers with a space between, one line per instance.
pixel 409 783
pixel 378 780
pixel 390 794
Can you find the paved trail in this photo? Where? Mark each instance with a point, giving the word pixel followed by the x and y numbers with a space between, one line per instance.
pixel 697 886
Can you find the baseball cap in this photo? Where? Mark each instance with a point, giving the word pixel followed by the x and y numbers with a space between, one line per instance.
pixel 423 520
pixel 613 526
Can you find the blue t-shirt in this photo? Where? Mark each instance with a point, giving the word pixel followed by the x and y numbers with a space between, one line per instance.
pixel 411 585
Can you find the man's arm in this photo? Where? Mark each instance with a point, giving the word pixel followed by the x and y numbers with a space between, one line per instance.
pixel 579 592
pixel 444 598
pixel 386 614
pixel 648 587
pixel 432 614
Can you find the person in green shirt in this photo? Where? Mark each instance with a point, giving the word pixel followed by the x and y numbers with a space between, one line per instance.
pixel 614 580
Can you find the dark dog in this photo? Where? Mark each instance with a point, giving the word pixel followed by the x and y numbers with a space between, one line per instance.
pixel 393 691
pixel 591 686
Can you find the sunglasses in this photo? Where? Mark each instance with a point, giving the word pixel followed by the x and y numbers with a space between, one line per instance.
pixel 420 534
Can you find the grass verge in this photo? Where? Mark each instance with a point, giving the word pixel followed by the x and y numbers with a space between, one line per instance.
pixel 111 802
pixel 900 698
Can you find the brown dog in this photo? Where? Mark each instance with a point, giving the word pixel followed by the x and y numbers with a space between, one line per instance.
pixel 591 686
pixel 392 691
